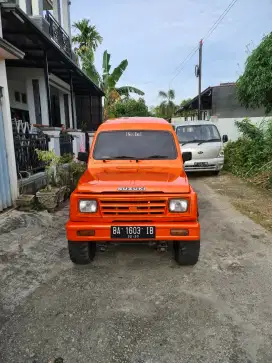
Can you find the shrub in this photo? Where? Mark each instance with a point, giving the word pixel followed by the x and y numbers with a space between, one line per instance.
pixel 251 155
pixel 66 158
pixel 76 170
pixel 51 161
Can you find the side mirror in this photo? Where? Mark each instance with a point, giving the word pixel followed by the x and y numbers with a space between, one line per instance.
pixel 225 138
pixel 186 156
pixel 83 156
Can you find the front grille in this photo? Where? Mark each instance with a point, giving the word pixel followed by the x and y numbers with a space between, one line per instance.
pixel 133 208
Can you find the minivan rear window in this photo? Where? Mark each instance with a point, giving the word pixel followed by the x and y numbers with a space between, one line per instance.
pixel 135 144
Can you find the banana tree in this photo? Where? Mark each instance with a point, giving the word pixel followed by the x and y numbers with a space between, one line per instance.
pixel 108 81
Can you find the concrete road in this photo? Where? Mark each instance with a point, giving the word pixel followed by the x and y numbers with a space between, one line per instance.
pixel 134 305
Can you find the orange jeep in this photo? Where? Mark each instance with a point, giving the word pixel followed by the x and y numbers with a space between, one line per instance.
pixel 134 189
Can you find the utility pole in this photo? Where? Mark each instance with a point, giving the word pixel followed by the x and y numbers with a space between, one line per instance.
pixel 198 73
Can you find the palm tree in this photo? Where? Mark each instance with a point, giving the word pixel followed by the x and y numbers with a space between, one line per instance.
pixel 108 81
pixel 167 106
pixel 88 38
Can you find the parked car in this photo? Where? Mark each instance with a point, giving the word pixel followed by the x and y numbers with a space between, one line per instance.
pixel 134 189
pixel 204 141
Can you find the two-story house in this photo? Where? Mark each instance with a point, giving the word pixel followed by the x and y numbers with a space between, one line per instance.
pixel 41 88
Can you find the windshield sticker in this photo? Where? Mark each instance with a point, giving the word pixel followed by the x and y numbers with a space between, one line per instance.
pixel 133 133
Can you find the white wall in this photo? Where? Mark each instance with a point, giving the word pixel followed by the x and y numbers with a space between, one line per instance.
pixel 22 4
pixel 17 86
pixel 59 83
pixel 66 23
pixel 22 78
pixel 226 126
pixel 37 7
pixel 64 88
pixel 8 126
pixel 26 75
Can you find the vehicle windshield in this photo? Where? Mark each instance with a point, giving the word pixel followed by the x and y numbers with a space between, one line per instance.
pixel 138 145
pixel 197 133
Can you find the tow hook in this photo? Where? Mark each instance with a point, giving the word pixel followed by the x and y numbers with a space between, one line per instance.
pixel 162 246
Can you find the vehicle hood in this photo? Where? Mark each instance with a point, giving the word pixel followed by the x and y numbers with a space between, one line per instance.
pixel 207 150
pixel 105 180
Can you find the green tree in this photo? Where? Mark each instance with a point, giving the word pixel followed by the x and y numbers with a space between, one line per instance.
pixel 186 100
pixel 188 112
pixel 167 107
pixel 254 87
pixel 87 39
pixel 108 81
pixel 129 107
pixel 156 112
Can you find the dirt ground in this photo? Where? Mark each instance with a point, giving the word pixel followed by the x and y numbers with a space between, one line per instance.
pixel 133 304
pixel 256 203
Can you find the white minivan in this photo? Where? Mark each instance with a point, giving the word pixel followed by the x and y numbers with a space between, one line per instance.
pixel 204 141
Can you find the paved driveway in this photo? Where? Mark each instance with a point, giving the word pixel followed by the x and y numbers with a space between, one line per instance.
pixel 134 305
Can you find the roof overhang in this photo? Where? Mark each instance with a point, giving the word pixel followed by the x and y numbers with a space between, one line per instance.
pixel 20 31
pixel 193 104
pixel 8 51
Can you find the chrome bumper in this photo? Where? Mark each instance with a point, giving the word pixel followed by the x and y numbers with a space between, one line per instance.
pixel 204 165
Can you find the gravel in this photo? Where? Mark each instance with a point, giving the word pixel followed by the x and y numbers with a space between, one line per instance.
pixel 133 304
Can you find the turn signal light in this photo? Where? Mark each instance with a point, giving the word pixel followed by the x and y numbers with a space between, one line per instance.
pixel 89 232
pixel 179 232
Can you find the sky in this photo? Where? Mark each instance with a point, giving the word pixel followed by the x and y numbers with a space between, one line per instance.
pixel 155 36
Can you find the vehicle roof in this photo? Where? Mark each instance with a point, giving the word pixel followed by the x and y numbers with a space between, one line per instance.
pixel 194 123
pixel 140 120
pixel 136 123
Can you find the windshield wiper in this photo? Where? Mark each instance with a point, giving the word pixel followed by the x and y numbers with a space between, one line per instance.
pixel 209 140
pixel 189 142
pixel 157 157
pixel 119 157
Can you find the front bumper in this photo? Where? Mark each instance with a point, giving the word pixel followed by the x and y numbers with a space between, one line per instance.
pixel 215 164
pixel 103 231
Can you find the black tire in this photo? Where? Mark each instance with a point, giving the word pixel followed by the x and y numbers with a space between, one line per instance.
pixel 216 172
pixel 81 253
pixel 186 253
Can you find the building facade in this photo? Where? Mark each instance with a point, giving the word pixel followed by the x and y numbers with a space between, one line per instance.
pixel 42 87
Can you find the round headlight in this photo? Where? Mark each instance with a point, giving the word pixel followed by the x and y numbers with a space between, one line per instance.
pixel 87 206
pixel 221 153
pixel 178 205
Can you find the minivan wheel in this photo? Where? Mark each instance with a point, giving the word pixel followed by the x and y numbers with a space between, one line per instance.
pixel 81 253
pixel 186 253
pixel 216 172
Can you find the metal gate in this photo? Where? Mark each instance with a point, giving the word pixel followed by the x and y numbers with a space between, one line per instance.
pixel 5 193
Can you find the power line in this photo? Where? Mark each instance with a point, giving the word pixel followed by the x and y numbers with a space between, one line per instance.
pixel 208 34
pixel 221 17
pixel 183 63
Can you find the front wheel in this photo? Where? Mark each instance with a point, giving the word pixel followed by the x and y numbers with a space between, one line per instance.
pixel 216 172
pixel 186 253
pixel 81 253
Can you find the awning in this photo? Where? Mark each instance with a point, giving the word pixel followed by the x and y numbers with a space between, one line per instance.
pixel 20 30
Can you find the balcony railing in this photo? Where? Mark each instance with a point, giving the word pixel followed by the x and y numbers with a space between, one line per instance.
pixel 58 34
